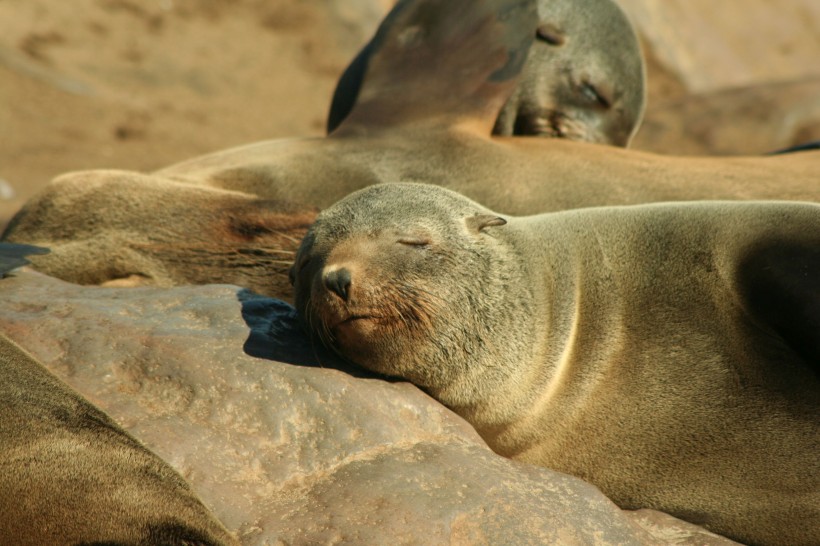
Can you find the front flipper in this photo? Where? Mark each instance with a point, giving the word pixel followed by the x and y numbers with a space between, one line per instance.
pixel 449 60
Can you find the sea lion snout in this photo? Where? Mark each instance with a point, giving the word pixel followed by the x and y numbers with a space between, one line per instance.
pixel 338 281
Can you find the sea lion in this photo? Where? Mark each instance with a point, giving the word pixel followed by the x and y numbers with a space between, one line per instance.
pixel 666 353
pixel 70 475
pixel 153 239
pixel 431 128
pixel 584 78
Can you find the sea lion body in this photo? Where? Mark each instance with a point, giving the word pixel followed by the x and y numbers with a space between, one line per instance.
pixel 70 475
pixel 666 353
pixel 413 120
pixel 274 189
pixel 514 175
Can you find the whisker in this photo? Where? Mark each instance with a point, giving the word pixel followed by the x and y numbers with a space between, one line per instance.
pixel 286 236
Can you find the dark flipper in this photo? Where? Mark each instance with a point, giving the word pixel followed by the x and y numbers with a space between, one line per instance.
pixel 799 148
pixel 457 60
pixel 13 255
pixel 347 90
pixel 781 284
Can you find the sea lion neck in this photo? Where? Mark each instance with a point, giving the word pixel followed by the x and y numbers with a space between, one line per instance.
pixel 546 315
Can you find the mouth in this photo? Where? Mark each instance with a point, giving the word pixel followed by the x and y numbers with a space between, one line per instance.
pixel 353 319
pixel 356 321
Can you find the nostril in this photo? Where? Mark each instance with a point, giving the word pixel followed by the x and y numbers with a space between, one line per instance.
pixel 339 281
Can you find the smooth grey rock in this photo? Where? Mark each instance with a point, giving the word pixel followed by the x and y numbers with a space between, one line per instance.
pixel 285 443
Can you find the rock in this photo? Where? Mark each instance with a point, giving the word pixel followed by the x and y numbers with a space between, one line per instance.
pixel 741 121
pixel 285 443
pixel 716 45
pixel 70 475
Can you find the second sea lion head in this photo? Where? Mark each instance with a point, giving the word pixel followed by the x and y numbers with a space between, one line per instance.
pixel 406 280
pixel 584 78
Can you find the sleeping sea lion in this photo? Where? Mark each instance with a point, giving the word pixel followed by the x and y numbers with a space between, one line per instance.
pixel 666 353
pixel 70 475
pixel 584 78
pixel 412 121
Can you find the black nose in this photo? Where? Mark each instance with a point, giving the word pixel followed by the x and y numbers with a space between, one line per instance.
pixel 338 281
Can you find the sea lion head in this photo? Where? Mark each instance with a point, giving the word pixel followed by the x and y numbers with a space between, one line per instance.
pixel 403 278
pixel 584 78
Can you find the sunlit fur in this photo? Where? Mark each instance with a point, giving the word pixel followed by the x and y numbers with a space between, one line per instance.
pixel 394 284
pixel 588 85
pixel 666 353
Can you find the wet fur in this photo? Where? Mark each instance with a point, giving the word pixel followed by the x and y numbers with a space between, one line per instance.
pixel 666 353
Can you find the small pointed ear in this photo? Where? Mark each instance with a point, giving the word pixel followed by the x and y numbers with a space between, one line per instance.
pixel 478 222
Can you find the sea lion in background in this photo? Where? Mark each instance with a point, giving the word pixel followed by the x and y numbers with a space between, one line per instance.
pixel 157 239
pixel 430 128
pixel 666 353
pixel 584 78
pixel 70 475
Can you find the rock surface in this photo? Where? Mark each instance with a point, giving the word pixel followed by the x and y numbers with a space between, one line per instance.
pixel 288 445
pixel 733 43
pixel 757 119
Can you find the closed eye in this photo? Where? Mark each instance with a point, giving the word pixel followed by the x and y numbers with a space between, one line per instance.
pixel 414 241
pixel 302 264
pixel 550 34
pixel 594 95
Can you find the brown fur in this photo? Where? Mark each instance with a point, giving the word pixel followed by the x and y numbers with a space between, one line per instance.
pixel 584 78
pixel 436 130
pixel 666 353
pixel 70 475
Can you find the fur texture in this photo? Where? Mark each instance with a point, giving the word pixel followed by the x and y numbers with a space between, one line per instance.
pixel 70 475
pixel 175 226
pixel 666 353
pixel 584 78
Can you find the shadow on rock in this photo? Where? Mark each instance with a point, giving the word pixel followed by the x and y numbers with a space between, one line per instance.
pixel 277 335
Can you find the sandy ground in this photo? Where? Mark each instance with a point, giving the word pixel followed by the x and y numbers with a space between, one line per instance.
pixel 137 84
pixel 140 84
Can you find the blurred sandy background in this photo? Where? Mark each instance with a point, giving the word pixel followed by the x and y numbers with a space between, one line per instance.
pixel 140 84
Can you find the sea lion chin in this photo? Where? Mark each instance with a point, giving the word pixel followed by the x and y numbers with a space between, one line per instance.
pixel 658 351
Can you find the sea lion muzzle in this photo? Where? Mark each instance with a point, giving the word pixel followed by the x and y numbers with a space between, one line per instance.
pixel 338 281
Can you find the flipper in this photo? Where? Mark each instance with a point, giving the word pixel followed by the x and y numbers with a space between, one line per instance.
pixel 799 148
pixel 13 255
pixel 453 60
pixel 348 87
pixel 584 78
